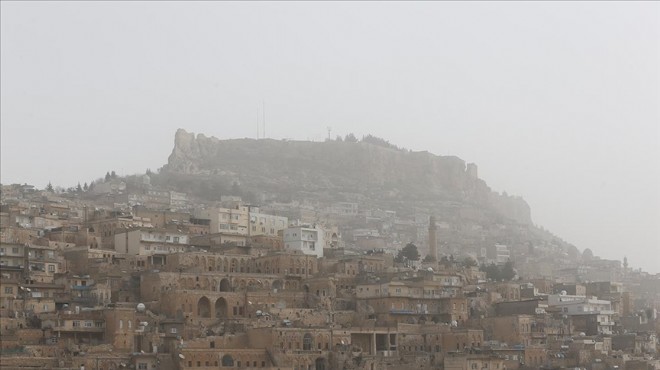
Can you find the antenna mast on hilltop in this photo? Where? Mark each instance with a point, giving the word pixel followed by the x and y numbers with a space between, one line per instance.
pixel 263 111
pixel 258 123
pixel 329 132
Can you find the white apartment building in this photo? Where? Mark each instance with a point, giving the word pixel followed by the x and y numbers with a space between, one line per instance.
pixel 308 239
pixel 263 224
pixel 578 305
pixel 242 220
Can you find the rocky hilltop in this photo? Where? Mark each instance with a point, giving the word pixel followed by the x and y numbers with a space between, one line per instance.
pixel 324 169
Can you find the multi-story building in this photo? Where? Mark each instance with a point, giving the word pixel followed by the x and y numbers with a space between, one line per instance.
pixel 308 239
pixel 264 224
pixel 226 220
pixel 13 255
pixel 147 241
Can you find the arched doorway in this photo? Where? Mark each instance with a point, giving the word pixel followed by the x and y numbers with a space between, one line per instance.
pixel 220 308
pixel 320 363
pixel 225 286
pixel 204 307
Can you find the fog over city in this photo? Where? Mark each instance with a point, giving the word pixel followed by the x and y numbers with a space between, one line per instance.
pixel 556 102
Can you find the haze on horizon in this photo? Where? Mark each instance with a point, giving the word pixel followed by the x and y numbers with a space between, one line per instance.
pixel 556 102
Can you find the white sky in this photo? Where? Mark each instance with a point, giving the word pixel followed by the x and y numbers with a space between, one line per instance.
pixel 557 102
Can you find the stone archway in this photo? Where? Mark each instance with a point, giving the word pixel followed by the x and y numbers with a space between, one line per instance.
pixel 220 308
pixel 320 364
pixel 227 361
pixel 204 308
pixel 225 286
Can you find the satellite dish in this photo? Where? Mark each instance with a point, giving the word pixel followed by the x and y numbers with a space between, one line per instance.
pixel 141 307
pixel 182 356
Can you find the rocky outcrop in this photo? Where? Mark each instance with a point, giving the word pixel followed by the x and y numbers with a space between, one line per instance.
pixel 339 166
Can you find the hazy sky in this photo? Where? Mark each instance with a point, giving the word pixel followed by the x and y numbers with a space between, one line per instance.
pixel 557 102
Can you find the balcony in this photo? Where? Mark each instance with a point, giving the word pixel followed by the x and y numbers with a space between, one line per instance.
pixel 404 312
pixel 82 287
pixel 79 329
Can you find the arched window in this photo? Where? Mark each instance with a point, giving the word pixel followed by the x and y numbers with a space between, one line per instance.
pixel 307 342
pixel 227 361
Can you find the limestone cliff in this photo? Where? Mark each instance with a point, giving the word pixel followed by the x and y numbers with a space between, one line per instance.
pixel 339 166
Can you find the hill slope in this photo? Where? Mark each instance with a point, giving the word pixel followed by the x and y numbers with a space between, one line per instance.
pixel 326 169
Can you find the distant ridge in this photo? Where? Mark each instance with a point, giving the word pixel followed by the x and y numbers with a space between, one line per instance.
pixel 324 169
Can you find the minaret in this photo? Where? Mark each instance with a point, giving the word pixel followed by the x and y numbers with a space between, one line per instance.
pixel 433 243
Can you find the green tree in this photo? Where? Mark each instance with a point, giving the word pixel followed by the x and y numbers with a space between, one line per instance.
pixel 107 176
pixel 429 258
pixel 350 138
pixel 470 262
pixel 409 252
pixel 79 188
pixel 507 272
pixel 49 187
pixel 492 271
pixel 85 187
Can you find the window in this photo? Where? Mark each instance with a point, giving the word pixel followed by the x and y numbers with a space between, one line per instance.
pixel 14 250
pixel 176 239
pixel 9 290
pixel 172 330
pixel 142 365
pixel 51 268
pixel 76 324
pixel 307 342
pixel 88 324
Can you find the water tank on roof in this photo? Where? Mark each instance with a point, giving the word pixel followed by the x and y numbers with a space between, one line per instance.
pixel 141 307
